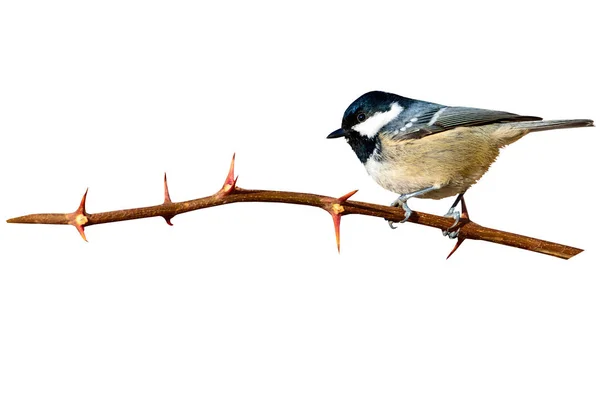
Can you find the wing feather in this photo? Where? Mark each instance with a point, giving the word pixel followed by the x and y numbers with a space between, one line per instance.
pixel 440 119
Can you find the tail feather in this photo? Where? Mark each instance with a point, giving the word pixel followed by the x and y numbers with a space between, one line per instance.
pixel 533 126
pixel 511 132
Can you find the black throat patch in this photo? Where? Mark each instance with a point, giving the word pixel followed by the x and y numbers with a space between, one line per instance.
pixel 362 146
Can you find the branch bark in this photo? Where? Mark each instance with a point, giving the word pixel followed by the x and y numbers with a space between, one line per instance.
pixel 336 207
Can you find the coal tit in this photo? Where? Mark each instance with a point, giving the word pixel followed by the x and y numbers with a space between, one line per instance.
pixel 427 150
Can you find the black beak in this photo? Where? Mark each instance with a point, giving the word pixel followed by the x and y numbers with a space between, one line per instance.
pixel 338 134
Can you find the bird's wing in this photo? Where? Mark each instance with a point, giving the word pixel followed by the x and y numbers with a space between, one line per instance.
pixel 429 121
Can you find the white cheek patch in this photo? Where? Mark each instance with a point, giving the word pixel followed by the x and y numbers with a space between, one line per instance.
pixel 373 124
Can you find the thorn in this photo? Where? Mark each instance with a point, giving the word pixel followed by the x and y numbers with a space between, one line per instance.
pixel 337 219
pixel 456 246
pixel 167 201
pixel 81 232
pixel 230 181
pixel 167 195
pixel 81 208
pixel 335 209
pixel 463 207
pixel 347 196
pixel 79 218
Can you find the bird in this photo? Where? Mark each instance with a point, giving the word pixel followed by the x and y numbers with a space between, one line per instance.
pixel 421 149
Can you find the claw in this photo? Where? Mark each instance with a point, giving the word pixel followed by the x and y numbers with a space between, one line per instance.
pixel 407 212
pixel 451 234
pixel 456 215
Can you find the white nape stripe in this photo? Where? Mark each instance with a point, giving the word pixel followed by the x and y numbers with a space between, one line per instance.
pixel 436 116
pixel 371 126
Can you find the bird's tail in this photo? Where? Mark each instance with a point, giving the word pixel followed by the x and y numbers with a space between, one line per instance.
pixel 517 130
pixel 533 126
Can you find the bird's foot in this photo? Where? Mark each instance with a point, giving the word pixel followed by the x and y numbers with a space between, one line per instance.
pixel 464 218
pixel 400 202
pixel 452 212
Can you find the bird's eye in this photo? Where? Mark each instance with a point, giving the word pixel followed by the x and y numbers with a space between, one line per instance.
pixel 361 117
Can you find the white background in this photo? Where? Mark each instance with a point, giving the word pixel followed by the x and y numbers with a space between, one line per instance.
pixel 252 300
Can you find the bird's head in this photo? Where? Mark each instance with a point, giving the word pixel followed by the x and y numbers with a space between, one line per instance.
pixel 365 118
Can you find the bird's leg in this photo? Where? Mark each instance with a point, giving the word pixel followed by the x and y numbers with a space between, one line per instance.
pixel 401 202
pixel 463 214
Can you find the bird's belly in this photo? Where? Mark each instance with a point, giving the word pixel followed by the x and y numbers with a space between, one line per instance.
pixel 397 178
pixel 442 161
pixel 402 179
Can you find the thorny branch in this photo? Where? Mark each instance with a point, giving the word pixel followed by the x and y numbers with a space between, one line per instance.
pixel 336 207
